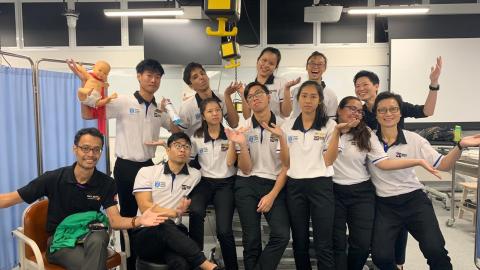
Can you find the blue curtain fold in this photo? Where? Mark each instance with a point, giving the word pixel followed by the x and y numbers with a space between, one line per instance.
pixel 61 119
pixel 18 157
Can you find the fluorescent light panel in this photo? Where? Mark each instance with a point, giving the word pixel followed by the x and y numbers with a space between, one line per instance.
pixel 143 12
pixel 384 11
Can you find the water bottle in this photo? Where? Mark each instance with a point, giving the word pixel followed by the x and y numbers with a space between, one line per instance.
pixel 172 112
pixel 457 133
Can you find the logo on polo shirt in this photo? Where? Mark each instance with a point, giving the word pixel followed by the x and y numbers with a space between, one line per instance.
pixel 132 111
pixel 273 91
pixel 93 197
pixel 185 187
pixel 318 135
pixel 224 147
pixel 400 155
pixel 203 150
pixel 157 113
pixel 198 116
pixel 292 138
pixel 160 184
pixel 253 139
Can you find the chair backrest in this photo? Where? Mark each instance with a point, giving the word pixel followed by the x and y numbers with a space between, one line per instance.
pixel 34 225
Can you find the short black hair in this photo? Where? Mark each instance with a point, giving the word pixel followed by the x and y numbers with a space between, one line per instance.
pixel 188 71
pixel 387 95
pixel 369 74
pixel 151 65
pixel 271 50
pixel 315 54
pixel 178 136
pixel 252 84
pixel 88 131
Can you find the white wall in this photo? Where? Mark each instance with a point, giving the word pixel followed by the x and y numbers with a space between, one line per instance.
pixel 459 96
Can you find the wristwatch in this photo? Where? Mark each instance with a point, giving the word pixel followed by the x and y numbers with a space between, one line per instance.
pixel 434 88
pixel 459 146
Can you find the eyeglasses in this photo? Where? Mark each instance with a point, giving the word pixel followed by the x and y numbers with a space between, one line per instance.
pixel 354 109
pixel 179 146
pixel 86 149
pixel 391 110
pixel 257 94
pixel 314 65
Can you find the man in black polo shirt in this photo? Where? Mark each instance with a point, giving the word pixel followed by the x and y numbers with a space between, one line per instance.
pixel 75 189
pixel 366 88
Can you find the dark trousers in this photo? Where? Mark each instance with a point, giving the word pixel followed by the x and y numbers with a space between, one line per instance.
pixel 124 173
pixel 91 255
pixel 401 247
pixel 413 211
pixel 311 198
pixel 220 193
pixel 168 243
pixel 248 192
pixel 355 207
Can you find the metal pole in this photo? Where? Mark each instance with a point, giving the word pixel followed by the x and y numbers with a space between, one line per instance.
pixel 37 115
pixel 107 145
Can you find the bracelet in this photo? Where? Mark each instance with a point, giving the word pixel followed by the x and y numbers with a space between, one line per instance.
pixel 434 88
pixel 459 146
pixel 133 222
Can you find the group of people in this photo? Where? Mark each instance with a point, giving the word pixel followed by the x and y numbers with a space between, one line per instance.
pixel 301 156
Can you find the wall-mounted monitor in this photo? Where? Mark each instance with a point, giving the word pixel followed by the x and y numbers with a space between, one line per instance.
pixel 178 42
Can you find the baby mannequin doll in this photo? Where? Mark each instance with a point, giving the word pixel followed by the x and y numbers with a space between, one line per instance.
pixel 91 94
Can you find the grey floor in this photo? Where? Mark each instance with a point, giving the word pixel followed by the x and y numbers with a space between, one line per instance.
pixel 460 242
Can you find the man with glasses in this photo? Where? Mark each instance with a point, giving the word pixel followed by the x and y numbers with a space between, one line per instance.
pixel 76 189
pixel 259 184
pixel 165 187
pixel 366 88
pixel 316 66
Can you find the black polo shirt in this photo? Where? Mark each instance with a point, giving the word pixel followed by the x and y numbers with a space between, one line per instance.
pixel 67 197
pixel 407 110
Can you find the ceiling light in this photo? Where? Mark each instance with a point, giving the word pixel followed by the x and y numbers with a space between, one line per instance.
pixel 143 12
pixel 389 10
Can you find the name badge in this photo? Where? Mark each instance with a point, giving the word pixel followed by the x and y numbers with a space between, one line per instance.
pixel 400 155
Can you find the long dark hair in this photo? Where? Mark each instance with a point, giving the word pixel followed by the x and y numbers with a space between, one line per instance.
pixel 321 113
pixel 361 133
pixel 203 106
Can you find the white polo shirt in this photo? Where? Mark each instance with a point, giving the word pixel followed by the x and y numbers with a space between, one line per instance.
pixel 212 155
pixel 263 150
pixel 306 148
pixel 136 125
pixel 166 187
pixel 190 113
pixel 397 182
pixel 351 164
pixel 276 86
pixel 330 101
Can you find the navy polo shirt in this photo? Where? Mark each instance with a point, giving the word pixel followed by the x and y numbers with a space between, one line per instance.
pixel 66 196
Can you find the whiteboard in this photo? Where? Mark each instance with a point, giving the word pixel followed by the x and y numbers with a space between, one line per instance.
pixel 459 95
